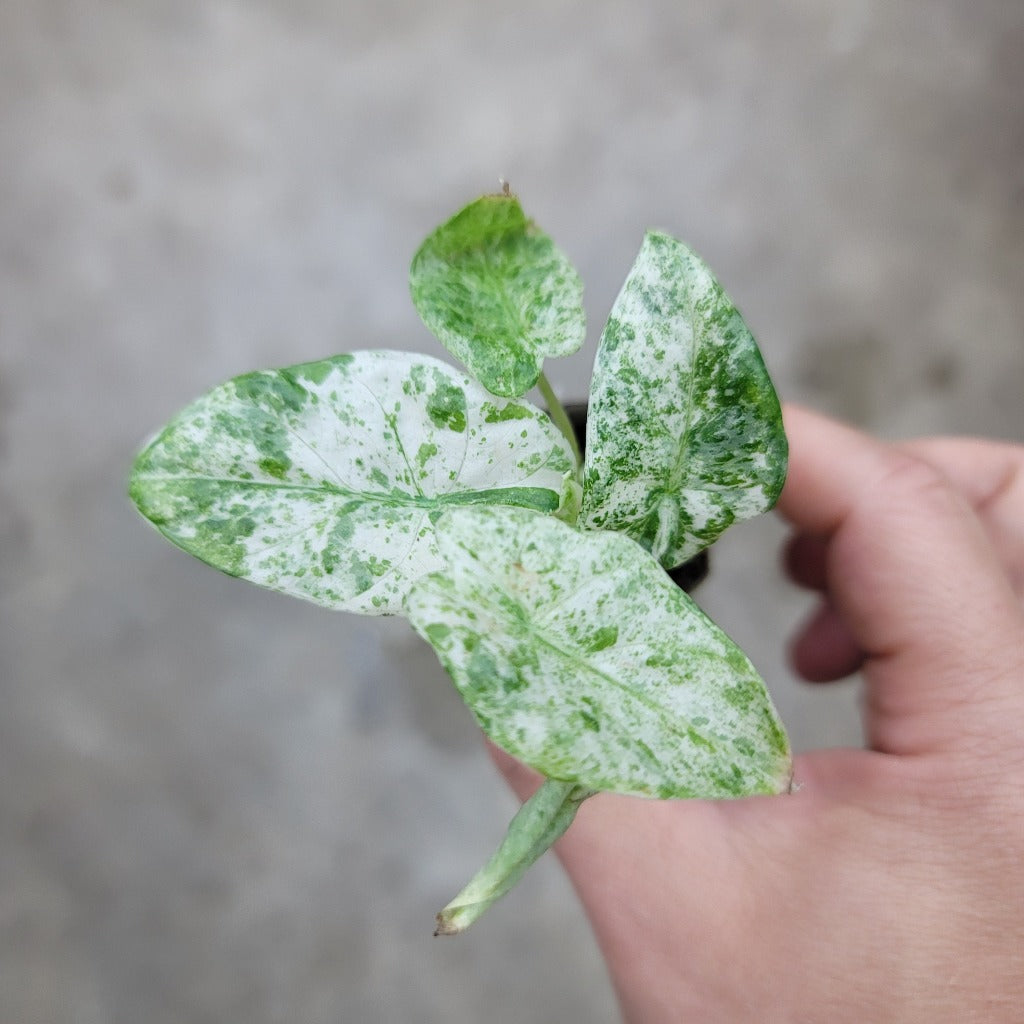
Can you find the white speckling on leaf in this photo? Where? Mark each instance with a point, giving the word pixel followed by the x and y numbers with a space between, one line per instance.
pixel 323 480
pixel 498 294
pixel 578 655
pixel 684 429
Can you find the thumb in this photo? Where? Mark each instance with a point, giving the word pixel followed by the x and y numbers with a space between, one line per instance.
pixel 915 579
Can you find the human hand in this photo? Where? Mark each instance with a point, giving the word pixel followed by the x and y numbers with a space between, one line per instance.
pixel 890 886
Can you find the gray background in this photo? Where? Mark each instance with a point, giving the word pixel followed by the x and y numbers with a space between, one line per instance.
pixel 220 805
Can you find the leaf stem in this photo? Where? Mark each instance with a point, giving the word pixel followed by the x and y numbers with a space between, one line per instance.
pixel 538 824
pixel 560 417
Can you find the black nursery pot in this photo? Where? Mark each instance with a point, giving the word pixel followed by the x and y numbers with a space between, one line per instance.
pixel 687 575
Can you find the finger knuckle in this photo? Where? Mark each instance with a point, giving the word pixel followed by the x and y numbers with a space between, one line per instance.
pixel 917 484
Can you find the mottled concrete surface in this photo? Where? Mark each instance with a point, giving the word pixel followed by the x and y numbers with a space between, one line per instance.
pixel 219 805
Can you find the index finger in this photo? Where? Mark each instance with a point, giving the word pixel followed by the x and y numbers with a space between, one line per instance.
pixel 990 474
pixel 910 570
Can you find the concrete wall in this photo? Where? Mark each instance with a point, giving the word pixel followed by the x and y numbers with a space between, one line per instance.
pixel 219 805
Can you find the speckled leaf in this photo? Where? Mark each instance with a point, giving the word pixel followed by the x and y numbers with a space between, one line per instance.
pixel 684 432
pixel 324 480
pixel 578 655
pixel 498 294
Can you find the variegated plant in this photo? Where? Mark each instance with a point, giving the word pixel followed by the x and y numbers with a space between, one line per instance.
pixel 384 482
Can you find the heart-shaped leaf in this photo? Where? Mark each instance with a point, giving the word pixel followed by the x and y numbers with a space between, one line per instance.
pixel 324 480
pixel 498 294
pixel 684 430
pixel 578 655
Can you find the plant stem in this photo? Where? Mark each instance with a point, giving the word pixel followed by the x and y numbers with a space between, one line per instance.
pixel 539 822
pixel 559 417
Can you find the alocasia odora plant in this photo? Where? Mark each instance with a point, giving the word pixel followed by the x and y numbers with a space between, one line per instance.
pixel 389 483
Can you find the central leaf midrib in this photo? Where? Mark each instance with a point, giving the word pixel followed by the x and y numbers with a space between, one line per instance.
pixel 679 470
pixel 499 285
pixel 384 497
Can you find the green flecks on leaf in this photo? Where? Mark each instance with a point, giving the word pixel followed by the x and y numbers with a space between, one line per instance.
pixel 277 468
pixel 604 637
pixel 589 713
pixel 579 656
pixel 425 452
pixel 438 633
pixel 684 429
pixel 324 480
pixel 318 372
pixel 512 411
pixel 446 407
pixel 498 294
pixel 276 393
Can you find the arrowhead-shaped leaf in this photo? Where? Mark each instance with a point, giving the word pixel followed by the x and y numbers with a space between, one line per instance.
pixel 324 480
pixel 578 655
pixel 684 429
pixel 498 294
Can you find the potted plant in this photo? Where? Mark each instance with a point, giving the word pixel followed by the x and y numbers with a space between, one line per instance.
pixel 383 482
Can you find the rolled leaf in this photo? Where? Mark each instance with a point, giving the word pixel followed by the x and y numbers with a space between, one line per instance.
pixel 498 294
pixel 684 430
pixel 324 480
pixel 578 655
pixel 540 823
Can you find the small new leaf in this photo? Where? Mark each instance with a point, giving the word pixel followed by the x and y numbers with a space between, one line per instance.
pixel 578 655
pixel 324 480
pixel 498 294
pixel 684 429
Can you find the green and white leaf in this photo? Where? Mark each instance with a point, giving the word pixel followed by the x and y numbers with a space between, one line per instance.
pixel 578 655
pixel 684 430
pixel 498 294
pixel 324 480
pixel 540 823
